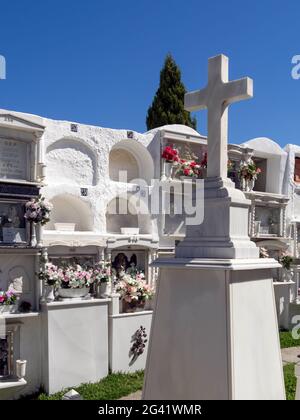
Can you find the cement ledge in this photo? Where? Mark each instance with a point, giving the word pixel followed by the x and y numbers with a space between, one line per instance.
pixel 131 314
pixel 19 315
pixel 11 383
pixel 217 264
pixel 73 302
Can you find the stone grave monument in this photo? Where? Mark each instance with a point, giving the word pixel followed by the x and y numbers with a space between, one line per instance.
pixel 214 332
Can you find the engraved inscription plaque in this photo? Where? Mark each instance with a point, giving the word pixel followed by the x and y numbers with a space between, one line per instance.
pixel 13 159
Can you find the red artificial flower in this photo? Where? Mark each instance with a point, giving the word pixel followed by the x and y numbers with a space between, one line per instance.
pixel 186 171
pixel 170 154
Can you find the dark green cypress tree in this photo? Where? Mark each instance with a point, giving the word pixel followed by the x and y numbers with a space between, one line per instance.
pixel 168 104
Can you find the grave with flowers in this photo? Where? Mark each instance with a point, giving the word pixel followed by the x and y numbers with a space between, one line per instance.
pixel 74 308
pixel 128 323
pixel 21 179
pixel 181 164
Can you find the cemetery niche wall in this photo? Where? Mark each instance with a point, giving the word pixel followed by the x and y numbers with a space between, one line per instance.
pixel 21 177
pixel 76 167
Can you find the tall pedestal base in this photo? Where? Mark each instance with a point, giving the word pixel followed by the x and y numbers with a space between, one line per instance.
pixel 214 332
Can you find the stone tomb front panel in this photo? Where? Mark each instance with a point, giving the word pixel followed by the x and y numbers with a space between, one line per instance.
pixel 13 160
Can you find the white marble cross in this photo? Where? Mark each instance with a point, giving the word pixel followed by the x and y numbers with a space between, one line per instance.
pixel 216 96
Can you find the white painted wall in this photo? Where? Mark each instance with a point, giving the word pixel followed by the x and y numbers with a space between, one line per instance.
pixel 121 329
pixel 75 343
pixel 92 148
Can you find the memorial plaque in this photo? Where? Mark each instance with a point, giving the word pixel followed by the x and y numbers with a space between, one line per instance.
pixel 8 235
pixel 12 223
pixel 12 235
pixel 13 159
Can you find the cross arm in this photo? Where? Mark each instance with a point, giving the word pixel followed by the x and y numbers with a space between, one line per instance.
pixel 237 90
pixel 196 100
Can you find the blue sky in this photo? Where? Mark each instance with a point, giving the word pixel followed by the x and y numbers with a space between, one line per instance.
pixel 98 62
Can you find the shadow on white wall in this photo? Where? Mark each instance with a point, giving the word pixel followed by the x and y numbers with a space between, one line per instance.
pixel 132 157
pixel 70 209
pixel 71 161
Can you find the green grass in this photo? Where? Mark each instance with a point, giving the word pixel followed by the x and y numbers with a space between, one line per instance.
pixel 286 340
pixel 119 385
pixel 290 381
pixel 112 387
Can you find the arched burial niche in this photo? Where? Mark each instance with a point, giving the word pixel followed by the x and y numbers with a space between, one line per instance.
pixel 271 159
pixel 116 219
pixel 71 161
pixel 70 209
pixel 133 158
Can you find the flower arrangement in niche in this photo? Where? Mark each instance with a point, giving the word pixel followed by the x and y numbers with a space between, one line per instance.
pixel 134 291
pixel 102 272
pixel 189 168
pixel 51 275
pixel 286 260
pixel 248 170
pixel 75 277
pixel 170 154
pixel 8 298
pixel 38 210
pixel 185 164
pixel 247 174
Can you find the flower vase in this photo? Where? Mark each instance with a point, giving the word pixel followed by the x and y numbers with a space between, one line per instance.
pixel 49 293
pixel 203 173
pixel 33 241
pixel 104 289
pixel 251 183
pixel 39 235
pixel 93 289
pixel 21 368
pixel 257 224
pixel 243 184
pixel 168 170
pixel 247 184
pixel 69 293
pixel 286 275
pixel 7 309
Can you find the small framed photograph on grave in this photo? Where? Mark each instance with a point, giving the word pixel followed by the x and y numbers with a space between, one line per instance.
pixel 12 223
